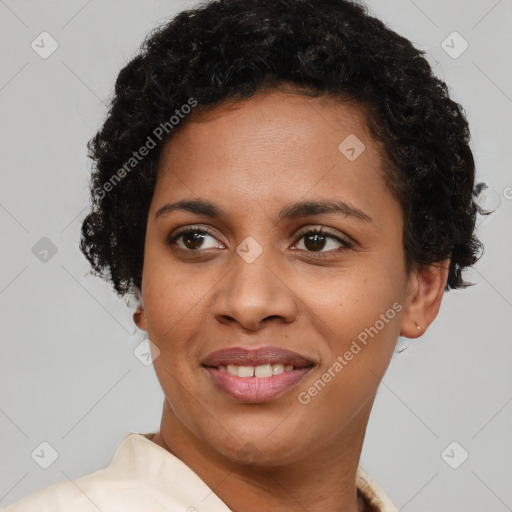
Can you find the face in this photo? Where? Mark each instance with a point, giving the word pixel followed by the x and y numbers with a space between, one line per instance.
pixel 251 282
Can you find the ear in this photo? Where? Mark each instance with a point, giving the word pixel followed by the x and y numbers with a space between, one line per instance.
pixel 139 316
pixel 425 290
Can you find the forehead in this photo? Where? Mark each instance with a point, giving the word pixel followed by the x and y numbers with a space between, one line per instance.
pixel 274 110
pixel 272 146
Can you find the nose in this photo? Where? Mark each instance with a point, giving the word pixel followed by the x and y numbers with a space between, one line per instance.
pixel 253 294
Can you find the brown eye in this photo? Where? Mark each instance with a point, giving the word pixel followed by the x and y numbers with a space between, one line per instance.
pixel 192 239
pixel 316 240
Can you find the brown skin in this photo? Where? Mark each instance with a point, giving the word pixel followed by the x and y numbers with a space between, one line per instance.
pixel 272 150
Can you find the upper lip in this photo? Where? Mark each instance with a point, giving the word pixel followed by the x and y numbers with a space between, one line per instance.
pixel 240 356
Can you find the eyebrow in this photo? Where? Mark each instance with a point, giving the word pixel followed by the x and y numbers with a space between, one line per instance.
pixel 292 211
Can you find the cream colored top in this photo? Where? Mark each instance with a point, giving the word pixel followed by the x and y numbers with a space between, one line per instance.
pixel 143 476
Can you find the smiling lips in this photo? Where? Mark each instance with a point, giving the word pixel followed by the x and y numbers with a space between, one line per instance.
pixel 256 375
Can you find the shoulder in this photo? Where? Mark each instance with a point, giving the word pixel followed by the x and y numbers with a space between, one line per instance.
pixel 57 497
pixel 140 476
pixel 104 489
pixel 89 493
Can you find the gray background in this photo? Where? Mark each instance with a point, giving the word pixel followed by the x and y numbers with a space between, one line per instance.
pixel 68 375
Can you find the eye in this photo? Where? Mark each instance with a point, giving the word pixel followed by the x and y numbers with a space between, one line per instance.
pixel 315 240
pixel 193 238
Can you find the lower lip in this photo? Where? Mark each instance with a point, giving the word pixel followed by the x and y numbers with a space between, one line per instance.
pixel 256 389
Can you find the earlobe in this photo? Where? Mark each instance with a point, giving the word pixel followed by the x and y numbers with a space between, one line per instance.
pixel 139 318
pixel 424 295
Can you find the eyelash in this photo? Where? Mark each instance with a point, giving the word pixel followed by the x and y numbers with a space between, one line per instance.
pixel 346 245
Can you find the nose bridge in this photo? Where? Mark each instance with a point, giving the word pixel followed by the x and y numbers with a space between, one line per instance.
pixel 252 264
pixel 253 289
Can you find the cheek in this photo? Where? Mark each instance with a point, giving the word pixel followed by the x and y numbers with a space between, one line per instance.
pixel 358 314
pixel 173 294
pixel 361 339
pixel 354 298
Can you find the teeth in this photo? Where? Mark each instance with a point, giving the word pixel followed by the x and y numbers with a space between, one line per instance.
pixel 279 368
pixel 264 370
pixel 231 368
pixel 246 371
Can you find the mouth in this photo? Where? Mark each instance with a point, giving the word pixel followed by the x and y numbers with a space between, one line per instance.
pixel 257 375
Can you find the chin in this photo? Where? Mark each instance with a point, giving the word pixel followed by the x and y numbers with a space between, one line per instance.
pixel 266 448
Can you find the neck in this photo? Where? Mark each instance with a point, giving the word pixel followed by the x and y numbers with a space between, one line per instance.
pixel 322 481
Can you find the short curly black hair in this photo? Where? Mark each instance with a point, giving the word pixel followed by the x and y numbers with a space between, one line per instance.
pixel 231 49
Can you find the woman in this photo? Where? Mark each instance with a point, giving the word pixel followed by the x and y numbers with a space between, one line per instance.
pixel 287 188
